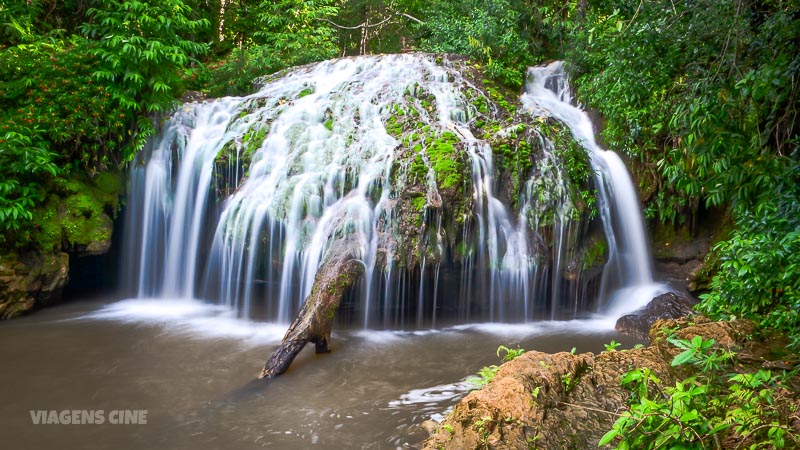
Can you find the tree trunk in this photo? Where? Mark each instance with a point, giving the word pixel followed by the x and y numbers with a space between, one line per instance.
pixel 337 274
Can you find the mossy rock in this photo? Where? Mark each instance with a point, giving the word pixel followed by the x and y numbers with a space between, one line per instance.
pixel 77 215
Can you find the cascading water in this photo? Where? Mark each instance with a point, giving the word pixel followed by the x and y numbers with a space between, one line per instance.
pixel 628 280
pixel 239 200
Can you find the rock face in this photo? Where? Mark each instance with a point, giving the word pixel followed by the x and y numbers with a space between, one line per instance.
pixel 665 306
pixel 74 220
pixel 566 401
pixel 31 280
pixel 683 256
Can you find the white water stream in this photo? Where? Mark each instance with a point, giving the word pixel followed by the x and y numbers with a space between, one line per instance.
pixel 628 279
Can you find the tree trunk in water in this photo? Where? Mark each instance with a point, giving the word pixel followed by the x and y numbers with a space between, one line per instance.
pixel 313 323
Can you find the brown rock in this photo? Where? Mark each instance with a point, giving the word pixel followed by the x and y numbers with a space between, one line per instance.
pixel 566 401
pixel 31 280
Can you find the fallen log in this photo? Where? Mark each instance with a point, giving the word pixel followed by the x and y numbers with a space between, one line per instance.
pixel 338 273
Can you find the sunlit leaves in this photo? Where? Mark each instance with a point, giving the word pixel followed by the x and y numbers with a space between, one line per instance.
pixel 143 46
pixel 704 409
pixel 297 31
pixel 488 30
pixel 23 158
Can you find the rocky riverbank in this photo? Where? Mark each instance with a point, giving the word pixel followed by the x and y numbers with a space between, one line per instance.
pixel 564 400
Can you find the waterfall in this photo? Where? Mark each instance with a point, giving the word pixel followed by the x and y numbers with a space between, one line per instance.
pixel 629 271
pixel 237 200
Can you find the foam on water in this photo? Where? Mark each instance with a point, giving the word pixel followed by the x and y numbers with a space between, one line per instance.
pixel 434 394
pixel 191 317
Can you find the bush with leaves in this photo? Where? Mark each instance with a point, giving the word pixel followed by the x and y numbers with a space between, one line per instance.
pixel 24 163
pixel 48 86
pixel 76 104
pixel 710 409
pixel 142 47
pixel 759 275
pixel 487 373
pixel 289 33
pixel 297 31
pixel 54 118
pixel 705 90
pixel 487 30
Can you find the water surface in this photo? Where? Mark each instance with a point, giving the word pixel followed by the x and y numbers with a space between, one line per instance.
pixel 193 369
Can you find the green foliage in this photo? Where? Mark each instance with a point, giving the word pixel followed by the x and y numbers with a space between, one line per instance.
pixel 288 33
pixel 49 96
pixel 142 47
pixel 612 346
pixel 418 203
pixel 487 373
pixel 568 380
pixel 54 119
pixel 488 30
pixel 28 21
pixel 393 25
pixel 235 73
pixel 698 352
pixel 707 99
pixel 70 104
pixel 574 162
pixel 759 275
pixel 707 93
pixel 510 354
pixel 23 160
pixel 73 214
pixel 442 157
pixel 297 31
pixel 594 253
pixel 703 409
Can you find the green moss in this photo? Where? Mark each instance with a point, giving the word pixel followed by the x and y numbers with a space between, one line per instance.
pixel 252 141
pixel 110 184
pixel 574 161
pixel 305 92
pixel 419 170
pixel 77 212
pixel 481 105
pixel 444 160
pixel 463 250
pixel 500 97
pixel 331 312
pixel 394 126
pixel 48 226
pixel 594 254
pixel 418 203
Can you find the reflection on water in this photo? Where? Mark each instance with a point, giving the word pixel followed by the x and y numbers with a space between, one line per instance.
pixel 193 367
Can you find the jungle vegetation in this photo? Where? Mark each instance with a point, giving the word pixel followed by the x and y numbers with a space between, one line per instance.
pixel 703 93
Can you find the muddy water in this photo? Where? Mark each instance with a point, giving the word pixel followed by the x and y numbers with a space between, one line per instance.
pixel 192 369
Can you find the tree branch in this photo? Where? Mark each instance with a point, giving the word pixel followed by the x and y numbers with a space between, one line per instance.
pixel 372 25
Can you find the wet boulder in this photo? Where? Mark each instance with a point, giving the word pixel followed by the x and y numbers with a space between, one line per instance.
pixel 664 306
